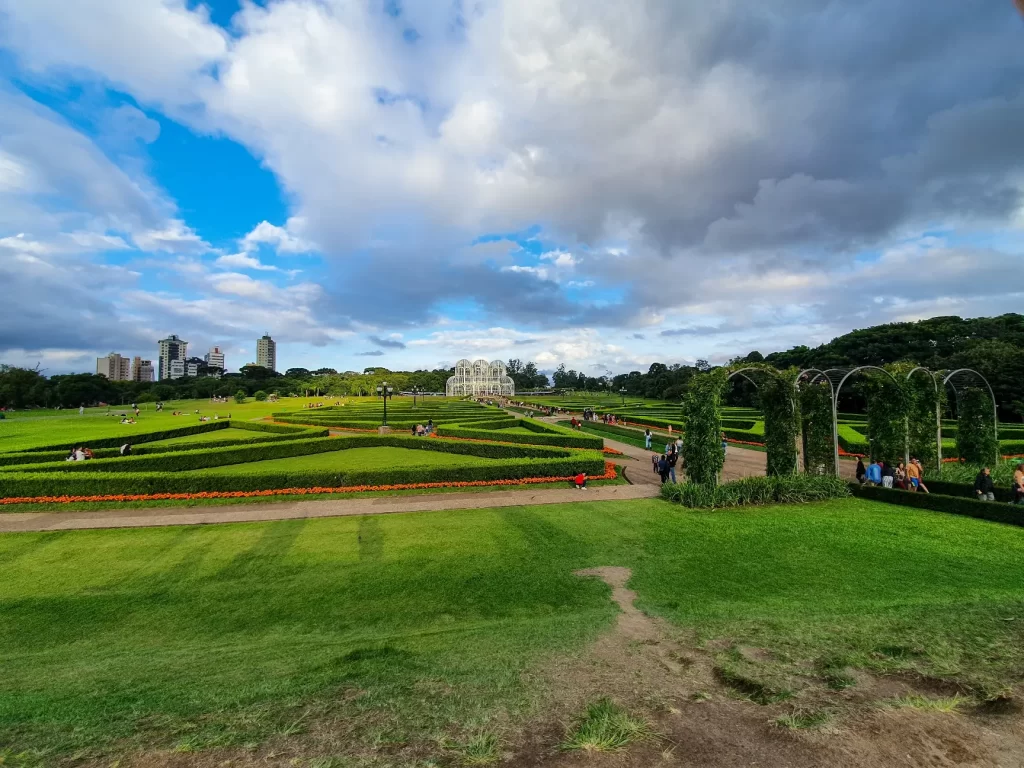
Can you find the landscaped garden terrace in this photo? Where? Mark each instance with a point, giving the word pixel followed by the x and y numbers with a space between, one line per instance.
pixel 286 452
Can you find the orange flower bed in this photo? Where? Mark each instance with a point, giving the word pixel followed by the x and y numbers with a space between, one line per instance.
pixel 609 474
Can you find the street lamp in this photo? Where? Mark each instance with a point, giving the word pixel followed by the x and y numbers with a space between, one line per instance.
pixel 623 393
pixel 384 392
pixel 415 391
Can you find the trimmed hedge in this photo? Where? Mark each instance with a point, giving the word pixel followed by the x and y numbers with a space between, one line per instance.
pixel 148 437
pixel 563 441
pixel 114 483
pixel 994 511
pixel 758 491
pixel 222 456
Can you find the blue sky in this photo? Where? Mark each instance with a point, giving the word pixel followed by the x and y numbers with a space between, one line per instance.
pixel 543 179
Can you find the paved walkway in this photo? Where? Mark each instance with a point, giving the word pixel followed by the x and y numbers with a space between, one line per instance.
pixel 247 513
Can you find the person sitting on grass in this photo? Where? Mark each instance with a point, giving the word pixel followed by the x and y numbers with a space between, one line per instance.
pixel 984 488
pixel 581 481
pixel 126 449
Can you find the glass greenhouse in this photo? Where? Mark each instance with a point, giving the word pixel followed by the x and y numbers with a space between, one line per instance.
pixel 480 378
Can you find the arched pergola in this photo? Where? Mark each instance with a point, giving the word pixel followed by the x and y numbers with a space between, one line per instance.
pixel 933 378
pixel 744 372
pixel 967 378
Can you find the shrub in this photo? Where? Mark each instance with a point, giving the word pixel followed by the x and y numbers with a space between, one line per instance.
pixel 816 413
pixel 568 440
pixel 757 491
pixel 955 505
pixel 260 396
pixel 240 396
pixel 976 440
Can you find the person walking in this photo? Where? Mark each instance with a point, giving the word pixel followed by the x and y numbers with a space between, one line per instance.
pixel 663 469
pixel 984 488
pixel 648 437
pixel 81 410
pixel 679 445
pixel 861 473
pixel 913 476
pixel 920 475
pixel 654 462
pixel 672 459
pixel 725 444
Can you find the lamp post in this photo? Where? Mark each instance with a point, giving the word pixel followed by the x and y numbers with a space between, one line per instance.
pixel 623 393
pixel 384 392
pixel 415 391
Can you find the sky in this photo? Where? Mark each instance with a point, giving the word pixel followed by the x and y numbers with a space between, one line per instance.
pixel 590 182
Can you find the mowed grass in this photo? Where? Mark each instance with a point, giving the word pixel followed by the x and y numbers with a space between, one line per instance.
pixel 216 436
pixel 30 429
pixel 421 626
pixel 353 459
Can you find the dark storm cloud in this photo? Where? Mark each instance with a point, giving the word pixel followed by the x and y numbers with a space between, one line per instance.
pixel 386 343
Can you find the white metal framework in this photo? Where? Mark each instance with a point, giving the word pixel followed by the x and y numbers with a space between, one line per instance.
pixel 480 378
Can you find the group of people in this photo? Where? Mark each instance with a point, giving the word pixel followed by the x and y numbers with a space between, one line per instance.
pixel 985 487
pixel 423 431
pixel 79 453
pixel 906 477
pixel 665 465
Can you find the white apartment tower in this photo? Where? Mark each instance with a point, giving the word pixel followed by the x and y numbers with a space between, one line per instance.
pixel 266 352
pixel 171 348
pixel 215 358
pixel 114 367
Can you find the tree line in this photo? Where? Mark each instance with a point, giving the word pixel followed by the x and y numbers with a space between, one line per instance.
pixel 993 346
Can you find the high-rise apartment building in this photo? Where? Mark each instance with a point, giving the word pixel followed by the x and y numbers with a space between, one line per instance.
pixel 171 348
pixel 215 358
pixel 142 370
pixel 266 352
pixel 114 367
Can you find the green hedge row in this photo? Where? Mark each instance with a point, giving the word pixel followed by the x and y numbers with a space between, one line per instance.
pixel 10 459
pixel 758 491
pixel 148 437
pixel 394 423
pixel 995 511
pixel 223 456
pixel 112 483
pixel 563 441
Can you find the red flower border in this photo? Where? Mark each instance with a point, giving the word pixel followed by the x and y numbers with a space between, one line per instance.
pixel 609 474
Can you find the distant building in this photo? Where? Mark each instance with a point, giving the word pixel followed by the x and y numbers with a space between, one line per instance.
pixel 181 368
pixel 114 367
pixel 172 348
pixel 215 359
pixel 480 378
pixel 266 353
pixel 142 370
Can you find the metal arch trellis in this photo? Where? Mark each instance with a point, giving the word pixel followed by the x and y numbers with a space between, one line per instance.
pixel 938 416
pixel 820 374
pixel 792 401
pixel 965 378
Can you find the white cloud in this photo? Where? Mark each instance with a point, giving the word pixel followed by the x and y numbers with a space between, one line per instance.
pixel 243 261
pixel 174 237
pixel 280 238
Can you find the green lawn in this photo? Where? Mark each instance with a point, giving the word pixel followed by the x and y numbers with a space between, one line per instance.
pixel 216 436
pixel 353 459
pixel 198 636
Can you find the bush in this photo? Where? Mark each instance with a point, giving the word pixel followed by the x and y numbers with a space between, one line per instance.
pixel 702 440
pixel 993 511
pixel 260 396
pixel 240 396
pixel 757 491
pixel 132 483
pixel 568 440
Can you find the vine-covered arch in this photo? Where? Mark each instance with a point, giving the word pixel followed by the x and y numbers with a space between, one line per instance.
pixel 781 416
pixel 976 444
pixel 818 438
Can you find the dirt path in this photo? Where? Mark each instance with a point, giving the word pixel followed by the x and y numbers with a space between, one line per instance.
pixel 246 513
pixel 657 671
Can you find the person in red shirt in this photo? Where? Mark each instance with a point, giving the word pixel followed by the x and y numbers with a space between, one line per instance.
pixel 581 480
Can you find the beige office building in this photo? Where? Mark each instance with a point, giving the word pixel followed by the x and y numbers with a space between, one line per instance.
pixel 142 370
pixel 114 367
pixel 266 353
